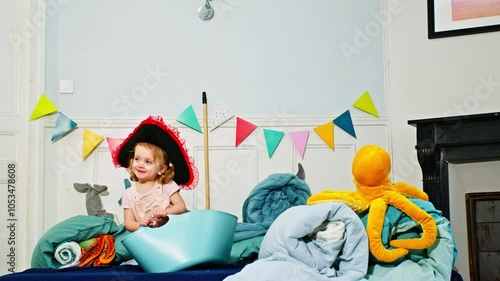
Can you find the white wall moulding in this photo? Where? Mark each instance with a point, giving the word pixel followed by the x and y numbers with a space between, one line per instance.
pixel 234 171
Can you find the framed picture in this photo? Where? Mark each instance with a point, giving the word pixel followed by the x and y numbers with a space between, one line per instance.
pixel 483 230
pixel 447 18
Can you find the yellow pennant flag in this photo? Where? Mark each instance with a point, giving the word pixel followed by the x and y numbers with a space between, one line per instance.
pixel 365 103
pixel 90 142
pixel 326 133
pixel 43 107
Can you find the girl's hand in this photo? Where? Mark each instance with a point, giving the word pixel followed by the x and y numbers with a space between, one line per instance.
pixel 158 217
pixel 159 213
pixel 146 220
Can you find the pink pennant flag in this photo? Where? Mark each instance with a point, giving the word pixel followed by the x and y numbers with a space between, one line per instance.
pixel 113 143
pixel 299 140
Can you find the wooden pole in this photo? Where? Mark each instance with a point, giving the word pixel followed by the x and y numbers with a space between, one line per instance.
pixel 205 147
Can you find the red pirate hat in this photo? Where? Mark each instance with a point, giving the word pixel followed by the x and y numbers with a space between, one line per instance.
pixel 154 130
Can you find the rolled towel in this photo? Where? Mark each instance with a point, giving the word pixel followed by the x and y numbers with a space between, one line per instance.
pixel 68 254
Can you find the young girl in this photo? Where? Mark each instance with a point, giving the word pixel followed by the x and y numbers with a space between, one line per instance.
pixel 158 163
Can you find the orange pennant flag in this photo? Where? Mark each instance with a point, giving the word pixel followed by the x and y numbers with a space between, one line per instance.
pixel 90 142
pixel 326 133
pixel 43 107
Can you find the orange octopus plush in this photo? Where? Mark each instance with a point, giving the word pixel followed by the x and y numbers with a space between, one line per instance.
pixel 375 192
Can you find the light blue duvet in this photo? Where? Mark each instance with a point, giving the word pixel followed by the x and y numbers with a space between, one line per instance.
pixel 289 253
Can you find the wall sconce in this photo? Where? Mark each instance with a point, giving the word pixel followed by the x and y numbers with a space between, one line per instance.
pixel 206 12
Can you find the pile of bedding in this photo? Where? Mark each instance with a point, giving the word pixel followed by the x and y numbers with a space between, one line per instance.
pixel 434 263
pixel 328 241
pixel 267 200
pixel 63 245
pixel 319 242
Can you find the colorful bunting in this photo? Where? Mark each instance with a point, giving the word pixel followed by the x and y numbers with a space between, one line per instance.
pixel 43 107
pixel 243 130
pixel 273 138
pixel 188 118
pixel 344 122
pixel 326 133
pixel 365 103
pixel 222 115
pixel 90 142
pixel 299 140
pixel 64 126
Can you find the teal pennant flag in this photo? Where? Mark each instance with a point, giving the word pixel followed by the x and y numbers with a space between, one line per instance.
pixel 188 118
pixel 64 126
pixel 344 122
pixel 273 138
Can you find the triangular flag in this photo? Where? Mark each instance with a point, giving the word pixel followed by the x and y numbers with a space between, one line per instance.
pixel 273 138
pixel 127 184
pixel 188 118
pixel 64 126
pixel 299 140
pixel 113 143
pixel 326 133
pixel 43 107
pixel 222 115
pixel 90 142
pixel 344 122
pixel 365 103
pixel 243 130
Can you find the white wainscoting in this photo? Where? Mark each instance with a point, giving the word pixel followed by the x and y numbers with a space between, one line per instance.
pixel 234 171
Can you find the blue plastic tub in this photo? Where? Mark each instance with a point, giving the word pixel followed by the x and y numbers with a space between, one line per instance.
pixel 193 238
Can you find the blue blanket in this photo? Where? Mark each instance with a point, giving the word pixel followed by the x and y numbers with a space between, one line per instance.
pixel 267 200
pixel 395 219
pixel 290 251
pixel 433 263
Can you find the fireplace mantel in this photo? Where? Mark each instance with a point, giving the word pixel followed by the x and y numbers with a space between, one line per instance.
pixel 456 139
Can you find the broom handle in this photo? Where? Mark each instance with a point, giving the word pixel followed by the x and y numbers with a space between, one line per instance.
pixel 205 147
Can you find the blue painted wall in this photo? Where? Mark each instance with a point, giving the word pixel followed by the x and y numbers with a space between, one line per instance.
pixel 132 58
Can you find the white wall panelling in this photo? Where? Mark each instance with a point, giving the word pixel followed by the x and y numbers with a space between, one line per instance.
pixel 234 171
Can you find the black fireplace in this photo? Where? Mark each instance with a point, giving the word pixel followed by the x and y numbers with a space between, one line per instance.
pixel 456 140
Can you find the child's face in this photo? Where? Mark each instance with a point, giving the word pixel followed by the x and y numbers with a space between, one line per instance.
pixel 144 166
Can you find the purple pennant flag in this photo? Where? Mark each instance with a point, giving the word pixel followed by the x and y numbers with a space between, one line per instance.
pixel 299 140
